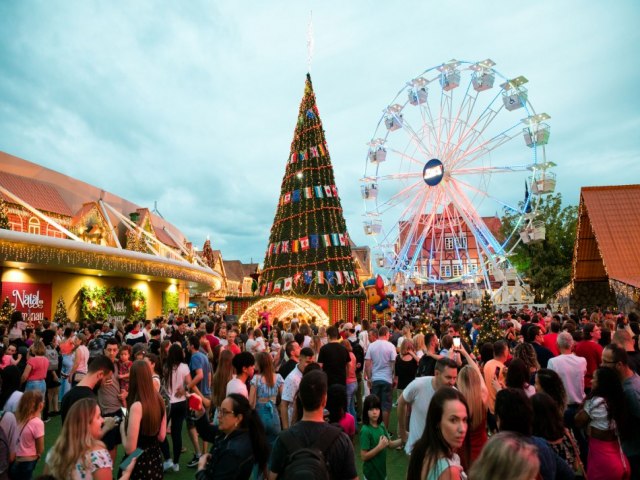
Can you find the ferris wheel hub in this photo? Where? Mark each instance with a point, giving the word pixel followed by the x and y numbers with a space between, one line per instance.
pixel 433 172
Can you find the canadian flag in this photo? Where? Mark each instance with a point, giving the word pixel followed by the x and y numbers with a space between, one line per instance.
pixel 304 243
pixel 288 282
pixel 327 191
pixel 342 239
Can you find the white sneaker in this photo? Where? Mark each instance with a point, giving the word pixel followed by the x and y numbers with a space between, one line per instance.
pixel 168 465
pixel 176 467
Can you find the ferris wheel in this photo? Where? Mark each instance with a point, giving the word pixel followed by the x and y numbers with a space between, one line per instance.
pixel 458 146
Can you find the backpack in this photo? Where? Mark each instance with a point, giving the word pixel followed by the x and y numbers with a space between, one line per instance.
pixel 307 463
pixel 96 346
pixel 4 454
pixel 358 352
pixel 53 356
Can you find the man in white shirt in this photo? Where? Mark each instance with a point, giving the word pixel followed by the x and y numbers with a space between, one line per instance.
pixel 290 388
pixel 419 394
pixel 243 363
pixel 571 369
pixel 379 363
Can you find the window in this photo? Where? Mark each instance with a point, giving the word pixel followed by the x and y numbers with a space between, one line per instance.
pixel 34 225
pixel 457 269
pixel 461 242
pixel 448 243
pixel 445 270
pixel 472 267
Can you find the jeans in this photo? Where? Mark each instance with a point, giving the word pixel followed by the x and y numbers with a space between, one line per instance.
pixel 270 418
pixel 22 470
pixel 351 406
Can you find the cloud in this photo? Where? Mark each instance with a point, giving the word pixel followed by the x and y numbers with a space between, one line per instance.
pixel 194 104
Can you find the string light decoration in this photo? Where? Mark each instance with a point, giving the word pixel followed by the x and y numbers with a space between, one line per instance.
pixel 313 255
pixel 41 250
pixel 490 332
pixel 283 306
pixel 4 215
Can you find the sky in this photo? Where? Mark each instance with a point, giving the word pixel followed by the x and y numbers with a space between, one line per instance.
pixel 193 104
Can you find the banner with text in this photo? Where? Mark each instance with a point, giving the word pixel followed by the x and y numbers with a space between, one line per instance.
pixel 32 299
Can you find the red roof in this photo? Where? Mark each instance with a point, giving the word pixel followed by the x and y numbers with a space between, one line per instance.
pixel 608 233
pixel 40 195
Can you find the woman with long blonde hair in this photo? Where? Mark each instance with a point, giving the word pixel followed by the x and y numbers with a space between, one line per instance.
pixel 221 377
pixel 145 425
pixel 507 455
pixel 471 384
pixel 419 345
pixel 78 452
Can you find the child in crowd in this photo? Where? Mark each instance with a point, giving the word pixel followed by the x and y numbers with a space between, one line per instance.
pixel 374 440
pixel 124 365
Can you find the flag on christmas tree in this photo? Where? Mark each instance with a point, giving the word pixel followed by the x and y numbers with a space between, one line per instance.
pixel 309 225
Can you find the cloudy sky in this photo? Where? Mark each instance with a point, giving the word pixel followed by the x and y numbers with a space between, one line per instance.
pixel 193 103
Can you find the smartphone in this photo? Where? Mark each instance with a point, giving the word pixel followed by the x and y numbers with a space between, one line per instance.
pixel 456 342
pixel 135 454
pixel 497 372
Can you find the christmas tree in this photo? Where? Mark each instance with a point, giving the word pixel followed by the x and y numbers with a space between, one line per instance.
pixel 6 310
pixel 61 311
pixel 490 331
pixel 309 251
pixel 4 215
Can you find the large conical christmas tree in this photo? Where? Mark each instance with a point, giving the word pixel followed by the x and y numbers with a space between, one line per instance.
pixel 308 252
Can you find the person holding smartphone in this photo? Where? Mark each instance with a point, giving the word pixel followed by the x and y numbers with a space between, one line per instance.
pixel 494 370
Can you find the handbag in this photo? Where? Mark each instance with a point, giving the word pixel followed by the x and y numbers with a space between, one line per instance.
pixel 578 466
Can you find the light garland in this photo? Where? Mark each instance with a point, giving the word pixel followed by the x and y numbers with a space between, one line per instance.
pixel 313 210
pixel 282 306
pixel 96 259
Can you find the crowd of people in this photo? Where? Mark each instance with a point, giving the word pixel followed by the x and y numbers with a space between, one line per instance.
pixel 554 397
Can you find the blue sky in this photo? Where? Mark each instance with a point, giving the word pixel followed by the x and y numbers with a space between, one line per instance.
pixel 194 103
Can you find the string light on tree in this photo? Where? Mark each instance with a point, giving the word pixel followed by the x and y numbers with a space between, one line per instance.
pixel 309 253
pixel 490 332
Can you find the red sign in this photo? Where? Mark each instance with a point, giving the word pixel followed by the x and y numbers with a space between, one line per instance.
pixel 32 299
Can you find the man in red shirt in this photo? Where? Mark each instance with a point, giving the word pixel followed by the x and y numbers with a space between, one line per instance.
pixel 590 349
pixel 550 340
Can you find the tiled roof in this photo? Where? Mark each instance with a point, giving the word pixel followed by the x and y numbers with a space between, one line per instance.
pixel 607 238
pixel 40 195
pixel 236 271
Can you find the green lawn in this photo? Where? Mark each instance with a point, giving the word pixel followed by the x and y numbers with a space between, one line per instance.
pixel 397 461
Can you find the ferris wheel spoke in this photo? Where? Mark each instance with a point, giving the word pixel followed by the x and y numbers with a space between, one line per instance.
pixel 409 247
pixel 456 124
pixel 428 126
pixel 399 176
pixel 484 148
pixel 396 199
pixel 415 138
pixel 490 170
pixel 488 241
pixel 488 196
pixel 475 131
